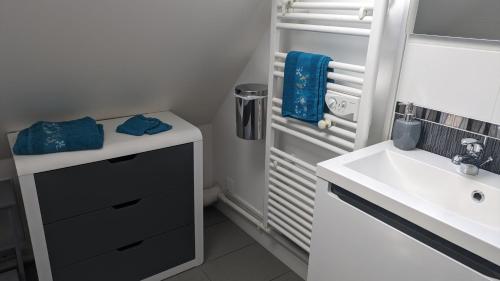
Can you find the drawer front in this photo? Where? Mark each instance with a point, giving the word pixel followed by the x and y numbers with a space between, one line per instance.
pixel 135 261
pixel 82 237
pixel 76 190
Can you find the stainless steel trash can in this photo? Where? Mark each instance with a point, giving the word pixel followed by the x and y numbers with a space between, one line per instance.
pixel 251 104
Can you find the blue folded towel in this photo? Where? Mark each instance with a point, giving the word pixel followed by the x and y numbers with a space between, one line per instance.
pixel 305 86
pixel 50 137
pixel 140 125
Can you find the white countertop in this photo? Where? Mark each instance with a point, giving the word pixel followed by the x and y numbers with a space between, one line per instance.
pixel 115 145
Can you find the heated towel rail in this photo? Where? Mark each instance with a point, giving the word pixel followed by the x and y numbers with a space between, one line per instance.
pixel 291 181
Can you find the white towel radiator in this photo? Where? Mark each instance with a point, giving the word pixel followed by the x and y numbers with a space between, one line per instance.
pixel 291 181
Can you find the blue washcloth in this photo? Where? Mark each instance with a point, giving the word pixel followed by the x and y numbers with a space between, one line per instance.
pixel 305 86
pixel 50 137
pixel 140 125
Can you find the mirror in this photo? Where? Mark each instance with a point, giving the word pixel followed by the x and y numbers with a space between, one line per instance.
pixel 478 19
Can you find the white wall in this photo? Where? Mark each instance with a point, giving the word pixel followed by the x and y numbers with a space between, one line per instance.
pixel 62 59
pixel 234 158
pixel 243 161
pixel 452 75
pixel 208 140
pixel 496 112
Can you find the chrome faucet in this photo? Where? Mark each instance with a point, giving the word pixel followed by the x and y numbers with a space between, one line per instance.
pixel 470 162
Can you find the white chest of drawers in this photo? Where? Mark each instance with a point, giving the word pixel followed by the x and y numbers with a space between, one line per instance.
pixel 132 210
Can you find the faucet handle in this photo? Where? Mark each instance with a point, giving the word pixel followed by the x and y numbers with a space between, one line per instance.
pixel 473 145
pixel 469 141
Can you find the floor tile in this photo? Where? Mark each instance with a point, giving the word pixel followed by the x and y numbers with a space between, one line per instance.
pixel 252 263
pixel 195 274
pixel 290 276
pixel 212 216
pixel 224 238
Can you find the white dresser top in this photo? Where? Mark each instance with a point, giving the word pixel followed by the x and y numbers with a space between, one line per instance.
pixel 115 145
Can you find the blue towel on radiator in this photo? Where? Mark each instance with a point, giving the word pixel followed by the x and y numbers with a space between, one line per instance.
pixel 140 125
pixel 50 137
pixel 305 86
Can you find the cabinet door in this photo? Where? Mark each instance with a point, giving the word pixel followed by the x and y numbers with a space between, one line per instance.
pixel 350 245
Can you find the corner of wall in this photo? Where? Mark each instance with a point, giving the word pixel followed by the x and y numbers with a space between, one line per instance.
pixel 390 66
pixel 207 133
pixel 237 161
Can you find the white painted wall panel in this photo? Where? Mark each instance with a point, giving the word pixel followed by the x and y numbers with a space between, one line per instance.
pixel 496 113
pixel 234 158
pixel 451 76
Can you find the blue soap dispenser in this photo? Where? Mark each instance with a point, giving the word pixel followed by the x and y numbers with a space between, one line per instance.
pixel 406 132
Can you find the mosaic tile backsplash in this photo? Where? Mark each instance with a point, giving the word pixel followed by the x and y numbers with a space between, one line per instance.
pixel 442 132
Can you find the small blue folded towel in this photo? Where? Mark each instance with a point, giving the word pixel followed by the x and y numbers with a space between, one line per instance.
pixel 50 137
pixel 305 86
pixel 140 125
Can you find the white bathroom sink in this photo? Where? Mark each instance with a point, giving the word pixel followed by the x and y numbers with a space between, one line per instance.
pixel 468 197
pixel 425 189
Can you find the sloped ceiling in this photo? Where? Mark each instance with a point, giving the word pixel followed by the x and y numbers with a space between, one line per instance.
pixel 62 59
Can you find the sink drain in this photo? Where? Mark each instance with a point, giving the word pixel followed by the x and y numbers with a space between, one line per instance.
pixel 477 196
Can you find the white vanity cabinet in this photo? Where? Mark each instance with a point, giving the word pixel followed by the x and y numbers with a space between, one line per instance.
pixel 349 243
pixel 132 210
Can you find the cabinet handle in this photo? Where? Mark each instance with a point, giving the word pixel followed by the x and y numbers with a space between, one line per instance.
pixel 126 204
pixel 129 246
pixel 122 158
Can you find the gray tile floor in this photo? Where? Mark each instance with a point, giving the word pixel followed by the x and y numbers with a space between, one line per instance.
pixel 232 255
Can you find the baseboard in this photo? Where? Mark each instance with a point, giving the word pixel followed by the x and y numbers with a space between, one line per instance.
pixel 278 249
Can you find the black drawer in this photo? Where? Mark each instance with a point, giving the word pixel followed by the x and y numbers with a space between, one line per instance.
pixel 76 190
pixel 136 261
pixel 82 237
